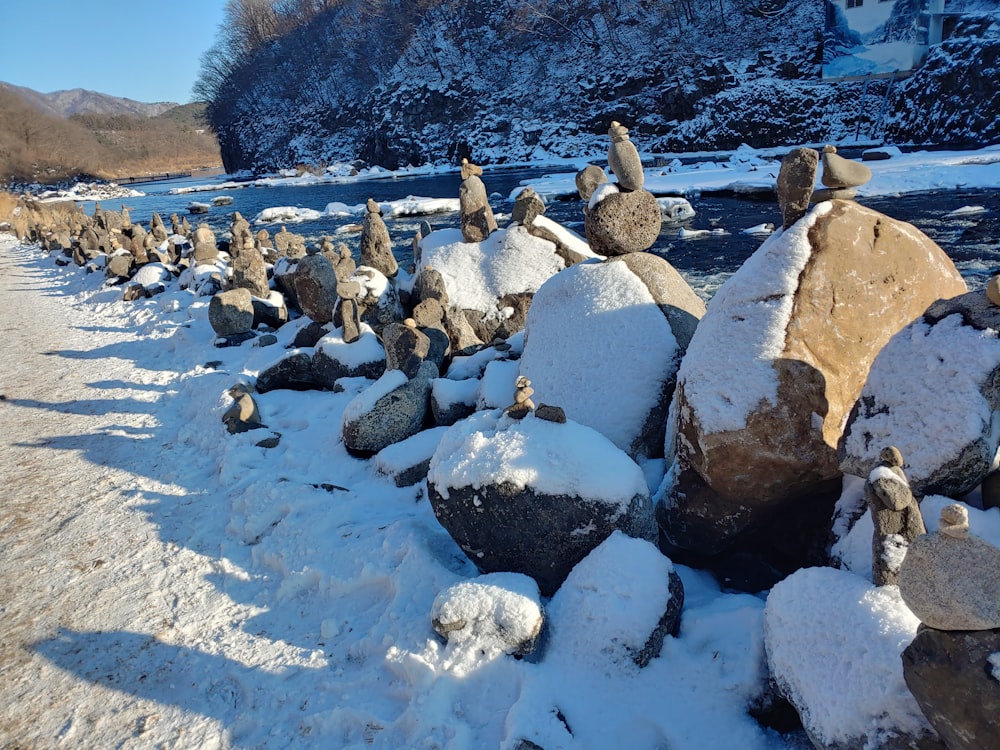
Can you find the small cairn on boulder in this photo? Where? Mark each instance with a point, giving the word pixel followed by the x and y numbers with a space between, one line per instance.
pixel 522 399
pixel 376 247
pixel 796 180
pixel 840 176
pixel 527 207
pixel 624 218
pixel 895 514
pixel 950 580
pixel 477 216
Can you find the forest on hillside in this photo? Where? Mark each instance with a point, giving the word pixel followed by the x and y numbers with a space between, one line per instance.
pixel 39 147
pixel 414 81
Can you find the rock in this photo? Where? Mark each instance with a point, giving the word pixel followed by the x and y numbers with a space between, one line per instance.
pixel 350 319
pixel 623 223
pixel 293 372
pixel 623 159
pixel 586 322
pixel 527 516
pixel 430 285
pixel 932 391
pixel 527 207
pixel 308 336
pixel 991 491
pixel 551 413
pixel 895 515
pixel 405 348
pixel 839 172
pixel 289 244
pixel 452 400
pixel 588 180
pixel 336 357
pixel 831 194
pixel 476 215
pixel 956 680
pixel 428 313
pixel 269 311
pixel 794 326
pixel 157 229
pixel 499 613
pixel 796 179
pixel 408 460
pixel 470 170
pixel 250 272
pixel 951 579
pixel 845 703
pixel 391 410
pixel 616 605
pixel 119 266
pixel 242 415
pixel 376 247
pixel 316 287
pixel 231 312
pixel 379 299
pixel 993 290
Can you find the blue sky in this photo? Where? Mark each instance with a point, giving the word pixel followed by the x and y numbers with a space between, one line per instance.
pixel 147 50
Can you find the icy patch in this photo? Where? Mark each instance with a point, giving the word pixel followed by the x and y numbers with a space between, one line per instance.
pixel 965 211
pixel 675 210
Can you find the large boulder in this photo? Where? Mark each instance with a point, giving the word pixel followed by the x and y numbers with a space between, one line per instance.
pixel 534 497
pixel 392 409
pixel 833 643
pixel 479 276
pixel 315 287
pixel 778 362
pixel 616 606
pixel 934 393
pixel 250 272
pixel 955 678
pixel 600 342
pixel 231 312
pixel 335 358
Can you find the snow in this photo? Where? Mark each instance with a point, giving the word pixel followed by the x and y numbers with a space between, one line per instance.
pixel 966 211
pixel 412 205
pixel 366 349
pixel 408 453
pixel 557 459
pixel 477 274
pixel 743 331
pixel 599 347
pixel 601 192
pixel 447 392
pixel 496 388
pixel 833 645
pixel 675 209
pixel 906 376
pixel 365 401
pixel 567 237
pixel 487 617
pixel 610 604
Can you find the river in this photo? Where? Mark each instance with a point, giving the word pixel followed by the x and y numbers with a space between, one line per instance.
pixel 971 240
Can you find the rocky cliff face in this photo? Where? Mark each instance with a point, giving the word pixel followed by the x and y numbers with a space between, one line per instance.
pixel 504 80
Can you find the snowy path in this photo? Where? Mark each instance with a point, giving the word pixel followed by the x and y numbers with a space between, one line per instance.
pixel 88 586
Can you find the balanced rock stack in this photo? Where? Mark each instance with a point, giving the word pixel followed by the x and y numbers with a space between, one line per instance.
pixel 895 514
pixel 477 219
pixel 622 218
pixel 840 176
pixel 376 247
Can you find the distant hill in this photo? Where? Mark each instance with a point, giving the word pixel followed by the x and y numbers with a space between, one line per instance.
pixel 83 102
pixel 39 142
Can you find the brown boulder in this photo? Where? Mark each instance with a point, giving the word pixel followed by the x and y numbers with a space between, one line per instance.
pixel 623 223
pixel 780 359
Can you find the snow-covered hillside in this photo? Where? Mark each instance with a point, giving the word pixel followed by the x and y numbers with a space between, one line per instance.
pixel 503 80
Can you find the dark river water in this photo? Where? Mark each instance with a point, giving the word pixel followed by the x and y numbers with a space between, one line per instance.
pixel 972 240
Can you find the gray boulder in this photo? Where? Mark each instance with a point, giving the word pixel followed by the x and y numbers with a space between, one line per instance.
pixel 406 347
pixel 933 392
pixel 528 517
pixel 315 287
pixel 955 679
pixel 588 180
pixel 527 207
pixel 231 312
pixel 390 410
pixel 623 159
pixel 293 372
pixel 250 272
pixel 337 358
pixel 623 223
pixel 796 180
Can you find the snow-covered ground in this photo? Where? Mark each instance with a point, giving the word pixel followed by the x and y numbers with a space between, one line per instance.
pixel 168 584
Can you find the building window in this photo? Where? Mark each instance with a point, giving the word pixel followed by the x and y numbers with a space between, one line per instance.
pixel 855 3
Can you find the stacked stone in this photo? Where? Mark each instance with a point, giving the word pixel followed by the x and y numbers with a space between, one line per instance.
pixel 376 247
pixel 477 218
pixel 841 176
pixel 625 219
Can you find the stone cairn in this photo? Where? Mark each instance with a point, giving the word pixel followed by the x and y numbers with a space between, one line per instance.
pixel 522 399
pixel 477 217
pixel 797 179
pixel 896 516
pixel 625 220
pixel 376 247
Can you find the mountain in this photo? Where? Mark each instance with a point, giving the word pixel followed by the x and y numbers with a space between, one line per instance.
pixel 82 101
pixel 396 82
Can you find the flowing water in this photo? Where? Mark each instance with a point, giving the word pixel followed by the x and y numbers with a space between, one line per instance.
pixel 972 240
